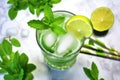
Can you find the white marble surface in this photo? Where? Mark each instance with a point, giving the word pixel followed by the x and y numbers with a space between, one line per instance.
pixel 109 69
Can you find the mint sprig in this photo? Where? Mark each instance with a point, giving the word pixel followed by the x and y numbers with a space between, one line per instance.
pixel 93 73
pixel 49 21
pixel 14 64
pixel 34 6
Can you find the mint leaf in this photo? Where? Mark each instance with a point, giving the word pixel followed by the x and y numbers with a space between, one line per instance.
pixel 55 25
pixel 7 46
pixel 31 9
pixel 29 76
pixel 87 72
pixel 94 71
pixel 9 77
pixel 5 58
pixel 12 13
pixel 35 3
pixel 14 64
pixel 11 2
pixel 23 60
pixel 21 74
pixel 15 42
pixel 22 4
pixel 58 30
pixel 55 1
pixel 2 52
pixel 48 14
pixel 37 24
pixel 30 68
pixel 39 10
pixel 58 20
pixel 2 71
pixel 46 1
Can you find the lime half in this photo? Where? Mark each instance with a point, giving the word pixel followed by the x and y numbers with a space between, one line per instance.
pixel 80 26
pixel 102 19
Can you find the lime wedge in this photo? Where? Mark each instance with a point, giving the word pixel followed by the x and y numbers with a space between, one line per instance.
pixel 102 19
pixel 80 26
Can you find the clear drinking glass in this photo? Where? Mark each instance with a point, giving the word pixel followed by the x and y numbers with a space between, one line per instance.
pixel 59 51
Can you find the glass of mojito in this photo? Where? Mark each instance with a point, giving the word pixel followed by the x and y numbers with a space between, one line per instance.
pixel 59 51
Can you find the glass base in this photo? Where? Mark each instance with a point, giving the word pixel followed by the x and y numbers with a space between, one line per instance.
pixel 61 67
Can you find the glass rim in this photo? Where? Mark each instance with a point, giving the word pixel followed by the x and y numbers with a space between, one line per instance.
pixel 64 11
pixel 49 53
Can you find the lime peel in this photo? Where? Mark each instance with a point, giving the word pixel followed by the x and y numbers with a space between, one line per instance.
pixel 102 19
pixel 80 26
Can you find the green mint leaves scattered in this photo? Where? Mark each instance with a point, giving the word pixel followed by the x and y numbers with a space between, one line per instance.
pixel 5 47
pixel 15 42
pixel 12 13
pixel 49 21
pixel 14 64
pixel 93 73
pixel 34 6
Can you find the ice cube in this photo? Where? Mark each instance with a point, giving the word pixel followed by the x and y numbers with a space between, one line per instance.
pixel 67 44
pixel 11 32
pixel 10 28
pixel 49 38
pixel 24 33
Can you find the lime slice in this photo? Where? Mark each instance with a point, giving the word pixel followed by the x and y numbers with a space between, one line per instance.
pixel 80 26
pixel 102 19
